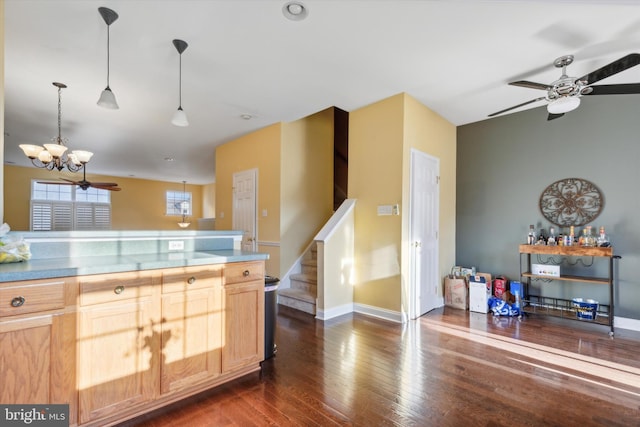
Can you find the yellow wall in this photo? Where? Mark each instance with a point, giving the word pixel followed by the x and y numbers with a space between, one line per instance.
pixel 209 200
pixel 430 133
pixel 306 183
pixel 258 150
pixel 139 206
pixel 375 178
pixel 381 137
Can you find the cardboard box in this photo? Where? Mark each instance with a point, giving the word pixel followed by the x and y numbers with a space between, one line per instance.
pixel 545 270
pixel 479 294
pixel 456 292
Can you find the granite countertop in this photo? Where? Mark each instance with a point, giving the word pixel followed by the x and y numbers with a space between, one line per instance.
pixel 80 266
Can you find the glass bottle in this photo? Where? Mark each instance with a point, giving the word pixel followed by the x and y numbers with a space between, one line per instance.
pixel 531 237
pixel 552 240
pixel 588 239
pixel 603 239
pixel 572 236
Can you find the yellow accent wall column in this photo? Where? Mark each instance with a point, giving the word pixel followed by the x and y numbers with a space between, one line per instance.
pixel 306 184
pixel 375 178
pixel 381 136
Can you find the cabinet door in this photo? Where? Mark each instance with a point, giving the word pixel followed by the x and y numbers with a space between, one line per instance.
pixel 243 325
pixel 191 337
pixel 118 357
pixel 25 361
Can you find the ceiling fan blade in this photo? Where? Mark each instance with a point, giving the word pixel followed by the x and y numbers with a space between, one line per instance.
pixel 621 89
pixel 531 85
pixel 552 116
pixel 516 106
pixel 109 187
pixel 57 182
pixel 615 67
pixel 104 184
pixel 69 180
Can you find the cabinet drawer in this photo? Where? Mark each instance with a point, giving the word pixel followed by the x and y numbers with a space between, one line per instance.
pixel 236 272
pixel 31 297
pixel 111 288
pixel 184 279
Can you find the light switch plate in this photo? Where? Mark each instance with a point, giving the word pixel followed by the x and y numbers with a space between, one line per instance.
pixel 176 245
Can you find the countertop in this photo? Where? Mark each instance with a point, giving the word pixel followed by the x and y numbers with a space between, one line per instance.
pixel 49 268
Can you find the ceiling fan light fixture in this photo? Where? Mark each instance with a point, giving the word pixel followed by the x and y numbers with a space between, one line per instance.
pixel 180 117
pixel 563 105
pixel 107 98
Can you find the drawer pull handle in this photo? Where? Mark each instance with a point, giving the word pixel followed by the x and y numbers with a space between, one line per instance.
pixel 245 273
pixel 18 301
pixel 191 280
pixel 118 290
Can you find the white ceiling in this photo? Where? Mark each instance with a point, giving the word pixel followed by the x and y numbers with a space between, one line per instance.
pixel 244 57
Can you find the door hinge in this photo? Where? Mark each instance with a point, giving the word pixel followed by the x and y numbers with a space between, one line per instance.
pixel 437 179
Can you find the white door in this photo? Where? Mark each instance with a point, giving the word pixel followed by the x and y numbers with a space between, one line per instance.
pixel 244 207
pixel 423 231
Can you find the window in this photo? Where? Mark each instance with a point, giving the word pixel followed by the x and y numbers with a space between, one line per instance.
pixel 56 207
pixel 178 203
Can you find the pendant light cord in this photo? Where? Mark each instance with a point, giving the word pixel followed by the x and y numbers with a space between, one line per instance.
pixel 180 85
pixel 108 50
pixel 59 141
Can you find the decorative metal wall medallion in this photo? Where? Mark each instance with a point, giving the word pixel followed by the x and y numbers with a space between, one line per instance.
pixel 571 201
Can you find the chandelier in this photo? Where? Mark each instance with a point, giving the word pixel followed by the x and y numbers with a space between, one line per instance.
pixel 184 207
pixel 54 156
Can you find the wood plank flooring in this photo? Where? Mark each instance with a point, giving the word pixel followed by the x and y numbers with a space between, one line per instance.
pixel 448 368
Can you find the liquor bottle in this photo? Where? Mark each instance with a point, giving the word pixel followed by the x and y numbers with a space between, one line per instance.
pixel 603 239
pixel 531 237
pixel 572 236
pixel 552 240
pixel 589 239
pixel 542 240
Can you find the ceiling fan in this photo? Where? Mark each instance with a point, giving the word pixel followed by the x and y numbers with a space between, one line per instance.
pixel 563 95
pixel 84 184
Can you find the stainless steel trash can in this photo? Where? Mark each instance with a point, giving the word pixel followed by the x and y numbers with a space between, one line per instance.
pixel 270 312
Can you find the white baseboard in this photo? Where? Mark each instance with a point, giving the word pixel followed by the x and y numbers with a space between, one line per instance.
pixel 626 323
pixel 382 313
pixel 334 312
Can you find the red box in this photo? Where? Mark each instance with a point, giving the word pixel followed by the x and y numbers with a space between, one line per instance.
pixel 499 286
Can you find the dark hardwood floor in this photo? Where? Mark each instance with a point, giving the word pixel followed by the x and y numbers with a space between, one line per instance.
pixel 448 368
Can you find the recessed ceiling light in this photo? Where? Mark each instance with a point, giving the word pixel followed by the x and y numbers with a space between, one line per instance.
pixel 295 11
pixel 168 159
pixel 246 116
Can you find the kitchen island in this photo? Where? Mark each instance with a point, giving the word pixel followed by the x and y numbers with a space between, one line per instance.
pixel 116 324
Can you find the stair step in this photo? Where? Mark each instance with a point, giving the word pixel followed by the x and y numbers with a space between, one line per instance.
pixel 298 299
pixel 303 277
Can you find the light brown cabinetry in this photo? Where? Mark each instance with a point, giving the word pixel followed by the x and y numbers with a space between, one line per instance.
pixel 191 326
pixel 37 339
pixel 118 343
pixel 243 315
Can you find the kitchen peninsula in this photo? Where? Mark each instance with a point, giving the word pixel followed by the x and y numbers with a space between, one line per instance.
pixel 118 323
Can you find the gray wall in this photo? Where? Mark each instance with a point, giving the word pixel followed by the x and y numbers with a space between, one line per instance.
pixel 505 163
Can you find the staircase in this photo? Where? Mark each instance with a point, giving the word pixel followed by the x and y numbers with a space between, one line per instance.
pixel 304 286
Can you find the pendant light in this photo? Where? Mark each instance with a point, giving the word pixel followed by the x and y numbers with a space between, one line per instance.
pixel 107 98
pixel 184 207
pixel 180 117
